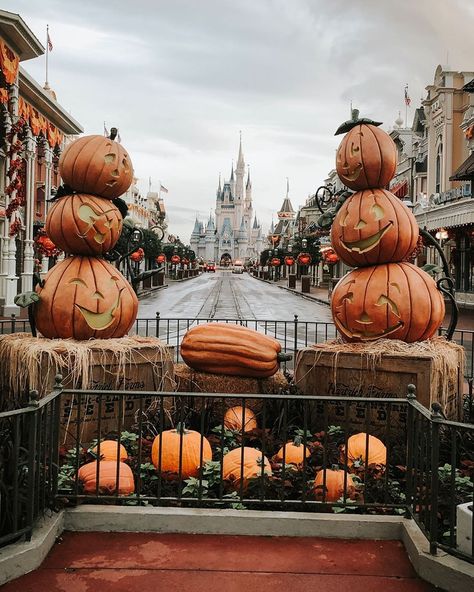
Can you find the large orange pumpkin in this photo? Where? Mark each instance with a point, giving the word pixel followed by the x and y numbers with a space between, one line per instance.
pixel 357 450
pixel 84 298
pixel 224 348
pixel 234 470
pixel 334 486
pixel 233 419
pixel 393 300
pixel 84 224
pixel 87 475
pixel 366 158
pixel 98 165
pixel 372 227
pixel 186 441
pixel 108 450
pixel 294 453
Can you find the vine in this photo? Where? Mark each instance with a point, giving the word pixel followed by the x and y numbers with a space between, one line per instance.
pixel 16 187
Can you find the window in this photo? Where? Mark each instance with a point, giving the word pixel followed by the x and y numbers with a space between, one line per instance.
pixel 439 159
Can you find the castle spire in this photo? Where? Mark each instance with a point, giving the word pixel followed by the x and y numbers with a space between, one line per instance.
pixel 240 160
pixel 232 172
pixel 249 182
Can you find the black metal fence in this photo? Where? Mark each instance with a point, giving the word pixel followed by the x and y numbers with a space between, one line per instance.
pixel 283 452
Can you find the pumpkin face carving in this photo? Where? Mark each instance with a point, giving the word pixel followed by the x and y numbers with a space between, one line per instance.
pixel 394 301
pixel 372 227
pixel 97 165
pixel 84 298
pixel 366 157
pixel 84 224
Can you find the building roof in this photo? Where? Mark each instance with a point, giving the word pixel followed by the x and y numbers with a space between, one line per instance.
pixel 19 36
pixel 469 87
pixel 466 171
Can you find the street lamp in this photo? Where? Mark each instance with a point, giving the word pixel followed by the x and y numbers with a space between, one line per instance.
pixel 304 244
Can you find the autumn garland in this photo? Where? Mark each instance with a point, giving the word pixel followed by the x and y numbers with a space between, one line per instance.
pixel 15 190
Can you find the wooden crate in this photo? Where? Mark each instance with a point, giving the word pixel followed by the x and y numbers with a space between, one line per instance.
pixel 354 371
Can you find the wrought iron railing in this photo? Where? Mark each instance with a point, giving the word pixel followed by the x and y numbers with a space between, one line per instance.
pixel 427 471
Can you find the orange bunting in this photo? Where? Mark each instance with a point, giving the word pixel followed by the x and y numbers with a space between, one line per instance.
pixel 9 62
pixel 3 96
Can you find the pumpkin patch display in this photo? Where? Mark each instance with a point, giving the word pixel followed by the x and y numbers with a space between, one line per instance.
pixel 223 348
pixel 172 444
pixel 393 300
pixel 97 165
pixel 329 484
pixel 84 298
pixel 108 451
pixel 107 484
pixel 238 419
pixel 360 447
pixel 372 227
pixel 84 224
pixel 236 470
pixel 293 452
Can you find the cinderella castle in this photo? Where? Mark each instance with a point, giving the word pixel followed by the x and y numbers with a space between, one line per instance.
pixel 235 232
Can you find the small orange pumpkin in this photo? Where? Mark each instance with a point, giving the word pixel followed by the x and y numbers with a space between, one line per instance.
pixel 366 157
pixel 374 227
pixel 191 452
pixel 87 475
pixel 334 484
pixel 97 165
pixel 84 224
pixel 233 419
pixel 234 470
pixel 108 451
pixel 294 452
pixel 376 451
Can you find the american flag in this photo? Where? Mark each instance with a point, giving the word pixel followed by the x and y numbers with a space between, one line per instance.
pixel 48 39
pixel 407 98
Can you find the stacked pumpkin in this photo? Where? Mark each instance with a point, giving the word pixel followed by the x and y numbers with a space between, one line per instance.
pixel 375 232
pixel 84 296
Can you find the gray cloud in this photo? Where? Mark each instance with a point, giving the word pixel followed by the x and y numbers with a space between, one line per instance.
pixel 181 78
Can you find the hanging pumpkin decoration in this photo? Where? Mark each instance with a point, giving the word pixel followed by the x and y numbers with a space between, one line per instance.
pixel 235 470
pixel 333 489
pixel 275 262
pixel 367 155
pixel 108 451
pixel 84 224
pixel 289 260
pixel 138 255
pixel 84 298
pixel 175 259
pixel 393 300
pixel 293 452
pixel 236 417
pixel 188 442
pixel 223 348
pixel 304 259
pixel 373 227
pixel 97 165
pixel 87 476
pixel 161 258
pixel 359 447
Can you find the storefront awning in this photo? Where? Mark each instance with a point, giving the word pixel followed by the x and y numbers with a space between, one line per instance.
pixel 466 171
pixel 400 189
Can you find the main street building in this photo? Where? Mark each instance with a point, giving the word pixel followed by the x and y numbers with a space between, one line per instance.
pixel 235 232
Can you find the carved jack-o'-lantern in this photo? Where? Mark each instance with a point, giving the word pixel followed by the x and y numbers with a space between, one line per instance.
pixel 374 226
pixel 394 301
pixel 98 165
pixel 366 157
pixel 84 224
pixel 85 297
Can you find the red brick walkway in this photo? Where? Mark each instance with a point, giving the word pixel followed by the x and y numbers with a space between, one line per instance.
pixel 103 562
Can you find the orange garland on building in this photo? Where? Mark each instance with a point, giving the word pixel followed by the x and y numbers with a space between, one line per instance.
pixel 9 62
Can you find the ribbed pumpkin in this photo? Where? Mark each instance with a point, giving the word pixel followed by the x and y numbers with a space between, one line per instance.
pixel 234 470
pixel 98 165
pixel 233 419
pixel 356 450
pixel 84 224
pixel 108 450
pixel 191 452
pixel 393 300
pixel 87 475
pixel 334 486
pixel 366 157
pixel 294 452
pixel 85 297
pixel 221 348
pixel 373 227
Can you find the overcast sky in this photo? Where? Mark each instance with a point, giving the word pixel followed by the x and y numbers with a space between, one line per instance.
pixel 180 78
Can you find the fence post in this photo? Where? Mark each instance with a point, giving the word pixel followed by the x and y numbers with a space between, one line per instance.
pixel 32 454
pixel 13 318
pixel 411 397
pixel 56 418
pixel 157 327
pixel 435 422
pixel 295 338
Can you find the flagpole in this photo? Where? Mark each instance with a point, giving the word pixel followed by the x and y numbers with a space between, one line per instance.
pixel 47 54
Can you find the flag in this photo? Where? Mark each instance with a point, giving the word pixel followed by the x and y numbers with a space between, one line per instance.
pixel 119 139
pixel 106 131
pixel 407 98
pixel 48 40
pixel 163 189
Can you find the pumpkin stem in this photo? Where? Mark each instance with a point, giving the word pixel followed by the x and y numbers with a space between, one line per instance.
pixel 335 467
pixel 298 440
pixel 181 428
pixel 282 357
